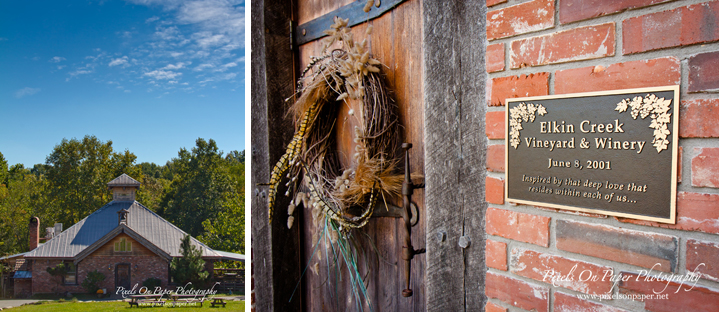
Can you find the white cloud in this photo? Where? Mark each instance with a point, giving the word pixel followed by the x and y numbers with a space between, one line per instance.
pixel 122 61
pixel 206 33
pixel 168 33
pixel 56 59
pixel 61 67
pixel 179 65
pixel 218 17
pixel 204 66
pixel 26 91
pixel 206 39
pixel 3 38
pixel 225 67
pixel 229 76
pixel 127 91
pixel 162 74
pixel 125 34
pixel 81 71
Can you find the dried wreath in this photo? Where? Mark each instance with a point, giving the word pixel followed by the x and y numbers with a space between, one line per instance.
pixel 341 199
pixel 347 197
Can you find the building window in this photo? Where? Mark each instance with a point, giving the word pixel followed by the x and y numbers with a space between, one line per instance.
pixel 123 245
pixel 71 277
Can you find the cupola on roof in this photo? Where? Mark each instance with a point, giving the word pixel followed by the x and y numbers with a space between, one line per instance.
pixel 124 180
pixel 124 187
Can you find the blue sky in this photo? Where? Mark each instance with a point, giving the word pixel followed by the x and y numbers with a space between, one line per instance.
pixel 152 76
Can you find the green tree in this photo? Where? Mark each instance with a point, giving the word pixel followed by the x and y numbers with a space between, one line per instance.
pixel 23 198
pixel 199 188
pixel 190 267
pixel 77 175
pixel 3 169
pixel 235 156
pixel 16 172
pixel 227 232
pixel 151 170
pixel 169 170
pixel 236 164
pixel 39 170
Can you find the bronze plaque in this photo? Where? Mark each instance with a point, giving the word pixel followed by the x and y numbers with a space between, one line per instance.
pixel 612 153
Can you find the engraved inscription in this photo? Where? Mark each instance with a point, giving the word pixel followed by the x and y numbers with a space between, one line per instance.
pixel 595 152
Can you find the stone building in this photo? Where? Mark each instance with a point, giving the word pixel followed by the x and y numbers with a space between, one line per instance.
pixel 123 240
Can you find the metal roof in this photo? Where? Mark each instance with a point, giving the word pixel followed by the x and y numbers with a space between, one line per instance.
pixel 124 180
pixel 156 230
pixel 231 256
pixel 22 274
pixel 13 256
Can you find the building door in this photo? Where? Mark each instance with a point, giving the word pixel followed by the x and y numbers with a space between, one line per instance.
pixel 122 276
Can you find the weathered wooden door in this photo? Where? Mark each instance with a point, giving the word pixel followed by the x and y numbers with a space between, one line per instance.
pixel 122 276
pixel 433 61
pixel 396 41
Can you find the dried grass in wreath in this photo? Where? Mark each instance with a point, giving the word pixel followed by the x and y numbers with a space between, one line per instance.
pixel 347 196
pixel 341 199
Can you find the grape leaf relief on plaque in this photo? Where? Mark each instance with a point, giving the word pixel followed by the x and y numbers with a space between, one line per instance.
pixel 657 109
pixel 522 112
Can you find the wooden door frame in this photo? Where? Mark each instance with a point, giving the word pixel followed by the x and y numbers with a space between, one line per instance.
pixel 455 152
pixel 454 80
pixel 129 274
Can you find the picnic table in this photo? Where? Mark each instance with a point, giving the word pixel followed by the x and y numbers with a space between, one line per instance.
pixel 220 301
pixel 150 299
pixel 186 299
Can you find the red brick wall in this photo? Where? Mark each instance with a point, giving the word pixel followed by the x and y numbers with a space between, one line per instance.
pixel 143 265
pixel 147 266
pixel 22 288
pixel 542 47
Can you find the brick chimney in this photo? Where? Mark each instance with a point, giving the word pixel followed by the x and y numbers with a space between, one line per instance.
pixel 34 232
pixel 123 188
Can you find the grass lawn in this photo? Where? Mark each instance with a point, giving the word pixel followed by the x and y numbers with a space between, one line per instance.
pixel 54 306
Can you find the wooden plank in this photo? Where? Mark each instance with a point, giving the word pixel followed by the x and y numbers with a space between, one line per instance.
pixel 407 45
pixel 312 9
pixel 314 29
pixel 454 80
pixel 275 248
pixel 385 231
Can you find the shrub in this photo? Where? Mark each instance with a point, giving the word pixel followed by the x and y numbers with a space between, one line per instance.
pixel 92 280
pixel 151 283
pixel 58 271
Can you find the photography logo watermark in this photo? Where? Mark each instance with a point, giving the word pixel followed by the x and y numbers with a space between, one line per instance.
pixel 181 295
pixel 686 281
